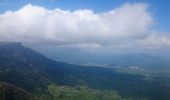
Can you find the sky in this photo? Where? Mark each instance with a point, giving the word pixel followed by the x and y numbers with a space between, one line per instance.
pixel 88 24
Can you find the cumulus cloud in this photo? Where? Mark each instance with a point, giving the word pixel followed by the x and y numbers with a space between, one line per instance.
pixel 37 25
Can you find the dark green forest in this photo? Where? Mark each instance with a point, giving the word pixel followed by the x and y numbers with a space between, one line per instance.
pixel 28 75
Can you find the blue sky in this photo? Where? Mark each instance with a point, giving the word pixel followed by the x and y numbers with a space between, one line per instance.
pixel 159 8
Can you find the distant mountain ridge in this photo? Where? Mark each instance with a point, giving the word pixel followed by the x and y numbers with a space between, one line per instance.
pixel 148 60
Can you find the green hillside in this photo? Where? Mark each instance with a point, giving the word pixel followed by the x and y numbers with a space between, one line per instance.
pixel 46 79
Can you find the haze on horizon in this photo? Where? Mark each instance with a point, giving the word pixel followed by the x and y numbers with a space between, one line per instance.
pixel 84 50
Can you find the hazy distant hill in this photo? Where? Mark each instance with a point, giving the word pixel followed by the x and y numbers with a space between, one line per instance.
pixel 151 60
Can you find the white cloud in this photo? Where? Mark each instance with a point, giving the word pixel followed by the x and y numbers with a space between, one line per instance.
pixel 38 25
pixel 155 41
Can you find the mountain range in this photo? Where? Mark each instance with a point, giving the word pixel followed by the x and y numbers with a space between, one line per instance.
pixel 148 60
pixel 41 78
